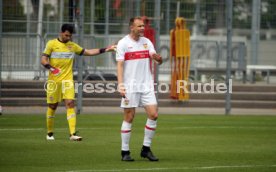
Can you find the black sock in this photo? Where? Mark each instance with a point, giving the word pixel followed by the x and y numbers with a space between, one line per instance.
pixel 145 148
pixel 123 153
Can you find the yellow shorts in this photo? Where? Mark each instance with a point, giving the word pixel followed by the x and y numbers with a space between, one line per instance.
pixel 57 91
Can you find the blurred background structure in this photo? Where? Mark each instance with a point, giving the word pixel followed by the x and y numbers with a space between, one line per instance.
pixel 26 25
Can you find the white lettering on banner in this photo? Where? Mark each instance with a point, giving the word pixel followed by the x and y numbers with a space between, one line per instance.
pixel 212 87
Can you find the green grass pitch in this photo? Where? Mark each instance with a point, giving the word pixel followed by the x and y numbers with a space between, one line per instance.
pixel 182 143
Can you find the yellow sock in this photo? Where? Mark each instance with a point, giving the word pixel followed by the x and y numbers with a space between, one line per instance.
pixel 71 117
pixel 50 120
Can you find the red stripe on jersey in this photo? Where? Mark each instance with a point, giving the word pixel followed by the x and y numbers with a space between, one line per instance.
pixel 125 131
pixel 137 55
pixel 147 127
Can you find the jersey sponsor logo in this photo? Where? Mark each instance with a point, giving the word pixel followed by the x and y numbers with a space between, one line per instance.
pixel 145 46
pixel 51 98
pixel 137 55
pixel 63 55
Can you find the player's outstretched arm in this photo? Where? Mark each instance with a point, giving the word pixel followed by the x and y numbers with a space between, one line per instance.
pixel 111 48
pixel 93 52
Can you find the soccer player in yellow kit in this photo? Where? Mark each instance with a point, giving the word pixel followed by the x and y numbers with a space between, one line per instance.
pixel 58 58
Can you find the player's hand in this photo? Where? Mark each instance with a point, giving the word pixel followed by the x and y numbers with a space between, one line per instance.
pixel 122 90
pixel 157 58
pixel 111 48
pixel 55 71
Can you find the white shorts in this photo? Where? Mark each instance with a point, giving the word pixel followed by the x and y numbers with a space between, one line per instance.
pixel 137 99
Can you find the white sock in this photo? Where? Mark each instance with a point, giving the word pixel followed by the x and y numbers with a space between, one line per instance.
pixel 125 135
pixel 149 132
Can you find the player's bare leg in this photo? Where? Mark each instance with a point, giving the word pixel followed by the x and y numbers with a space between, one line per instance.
pixel 150 128
pixel 71 117
pixel 126 133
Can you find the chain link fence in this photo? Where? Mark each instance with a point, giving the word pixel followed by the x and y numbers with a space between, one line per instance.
pixel 26 29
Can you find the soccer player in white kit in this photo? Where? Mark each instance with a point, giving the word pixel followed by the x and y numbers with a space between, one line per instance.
pixel 135 85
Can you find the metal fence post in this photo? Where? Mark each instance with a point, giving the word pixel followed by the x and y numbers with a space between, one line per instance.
pixel 197 17
pixel 168 16
pixel 255 31
pixel 39 33
pixel 219 53
pixel 157 37
pixel 28 30
pixel 106 30
pixel 229 5
pixel 61 8
pixel 92 16
pixel 177 9
pixel 80 59
pixel 1 13
pixel 138 6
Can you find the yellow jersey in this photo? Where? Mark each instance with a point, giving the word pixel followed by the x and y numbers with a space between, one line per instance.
pixel 61 55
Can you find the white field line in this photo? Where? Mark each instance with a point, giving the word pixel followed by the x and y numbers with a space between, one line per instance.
pixel 180 168
pixel 173 128
pixel 227 127
pixel 38 129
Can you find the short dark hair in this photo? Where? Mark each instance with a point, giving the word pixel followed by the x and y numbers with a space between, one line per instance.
pixel 131 20
pixel 68 27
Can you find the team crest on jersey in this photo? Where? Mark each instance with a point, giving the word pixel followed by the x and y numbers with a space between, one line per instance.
pixel 126 101
pixel 145 46
pixel 51 98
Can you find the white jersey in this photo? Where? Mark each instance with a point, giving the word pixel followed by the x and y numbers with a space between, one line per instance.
pixel 136 56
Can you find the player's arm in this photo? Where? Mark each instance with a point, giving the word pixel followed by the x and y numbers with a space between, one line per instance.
pixel 93 52
pixel 153 55
pixel 120 71
pixel 46 64
pixel 157 58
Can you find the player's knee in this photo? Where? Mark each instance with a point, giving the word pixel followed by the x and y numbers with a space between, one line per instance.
pixel 129 115
pixel 70 104
pixel 53 106
pixel 154 116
